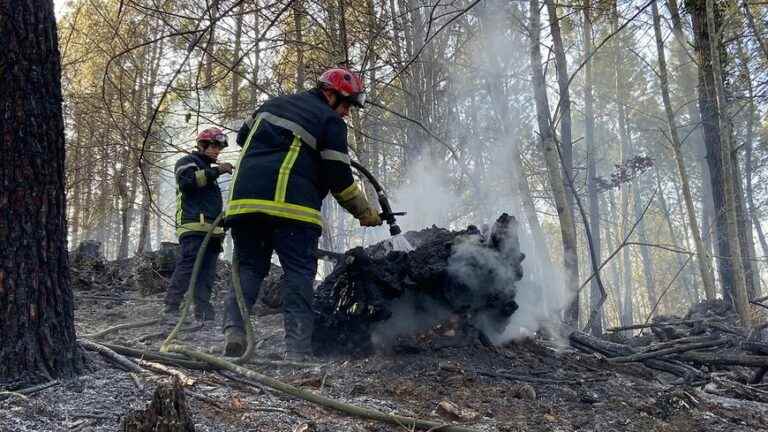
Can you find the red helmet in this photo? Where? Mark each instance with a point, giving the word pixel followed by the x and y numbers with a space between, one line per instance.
pixel 212 136
pixel 345 82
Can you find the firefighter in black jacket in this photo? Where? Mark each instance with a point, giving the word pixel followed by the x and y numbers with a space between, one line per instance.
pixel 294 151
pixel 198 203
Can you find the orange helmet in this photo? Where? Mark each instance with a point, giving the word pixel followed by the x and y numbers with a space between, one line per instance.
pixel 346 83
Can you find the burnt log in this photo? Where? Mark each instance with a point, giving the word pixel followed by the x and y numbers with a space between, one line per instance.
pixel 166 413
pixel 377 294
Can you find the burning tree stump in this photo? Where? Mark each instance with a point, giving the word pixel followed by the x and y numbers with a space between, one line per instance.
pixel 167 413
pixel 375 294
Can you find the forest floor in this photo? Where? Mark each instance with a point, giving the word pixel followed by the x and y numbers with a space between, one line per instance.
pixel 527 386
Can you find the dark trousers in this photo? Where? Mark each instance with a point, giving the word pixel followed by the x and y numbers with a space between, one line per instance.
pixel 295 245
pixel 182 274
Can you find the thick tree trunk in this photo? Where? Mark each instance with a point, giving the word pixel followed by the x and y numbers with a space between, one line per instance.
pixel 565 153
pixel 710 122
pixel 548 144
pixel 731 200
pixel 37 334
pixel 707 276
pixel 589 137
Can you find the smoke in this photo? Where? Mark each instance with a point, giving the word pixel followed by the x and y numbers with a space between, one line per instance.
pixel 540 295
pixel 410 315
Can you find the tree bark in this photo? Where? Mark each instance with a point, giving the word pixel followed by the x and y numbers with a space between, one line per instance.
pixel 707 276
pixel 589 136
pixel 37 334
pixel 548 144
pixel 731 201
pixel 565 153
pixel 627 313
pixel 298 11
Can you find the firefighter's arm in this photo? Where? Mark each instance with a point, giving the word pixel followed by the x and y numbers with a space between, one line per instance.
pixel 190 176
pixel 338 173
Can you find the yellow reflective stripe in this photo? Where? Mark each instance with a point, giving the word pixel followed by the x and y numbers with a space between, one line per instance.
pixel 285 169
pixel 348 193
pixel 200 178
pixel 284 210
pixel 198 227
pixel 240 159
pixel 178 207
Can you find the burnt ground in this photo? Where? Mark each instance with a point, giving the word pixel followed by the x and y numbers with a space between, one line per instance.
pixel 528 386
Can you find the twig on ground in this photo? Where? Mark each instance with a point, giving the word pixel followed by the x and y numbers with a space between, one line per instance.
pixel 28 390
pixel 183 378
pixel 111 355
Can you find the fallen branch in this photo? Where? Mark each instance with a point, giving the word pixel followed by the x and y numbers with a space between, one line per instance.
pixel 183 378
pixel 659 324
pixel 667 351
pixel 355 411
pixel 24 392
pixel 724 359
pixel 111 355
pixel 125 326
pixel 611 349
pixel 164 358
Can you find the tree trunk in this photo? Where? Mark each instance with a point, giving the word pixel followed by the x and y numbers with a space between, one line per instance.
pixel 565 153
pixel 748 151
pixel 627 315
pixel 298 11
pixel 731 201
pixel 705 270
pixel 254 101
pixel 589 137
pixel 689 72
pixel 710 122
pixel 37 327
pixel 548 144
pixel 234 108
pixel 756 32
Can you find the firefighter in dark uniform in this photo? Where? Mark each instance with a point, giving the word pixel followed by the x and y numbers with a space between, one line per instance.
pixel 294 151
pixel 198 203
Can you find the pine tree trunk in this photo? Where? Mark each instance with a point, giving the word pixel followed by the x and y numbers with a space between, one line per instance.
pixel 703 260
pixel 731 201
pixel 37 334
pixel 565 152
pixel 627 315
pixel 548 144
pixel 589 137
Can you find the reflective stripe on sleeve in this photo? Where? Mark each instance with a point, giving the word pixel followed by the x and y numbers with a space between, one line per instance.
pixel 334 156
pixel 183 167
pixel 347 194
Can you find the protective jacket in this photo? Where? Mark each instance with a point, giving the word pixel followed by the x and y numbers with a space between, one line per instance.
pixel 294 152
pixel 198 197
